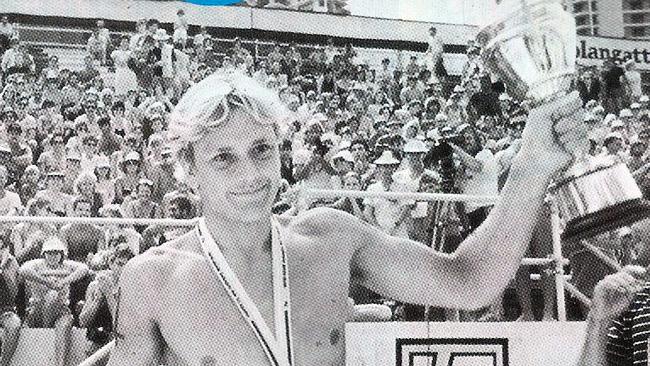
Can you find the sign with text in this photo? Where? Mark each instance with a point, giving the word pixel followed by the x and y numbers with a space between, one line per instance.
pixel 594 50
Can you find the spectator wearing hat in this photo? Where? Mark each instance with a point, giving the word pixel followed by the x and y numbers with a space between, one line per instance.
pixel 132 143
pixel 380 211
pixel 126 184
pixel 9 320
pixel 85 186
pixel 48 281
pixel 615 147
pixel 621 128
pixel 142 206
pixel 408 180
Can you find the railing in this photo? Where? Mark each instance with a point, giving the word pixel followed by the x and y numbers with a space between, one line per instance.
pixel 556 259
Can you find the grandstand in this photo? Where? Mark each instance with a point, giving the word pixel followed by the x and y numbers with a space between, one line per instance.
pixel 361 118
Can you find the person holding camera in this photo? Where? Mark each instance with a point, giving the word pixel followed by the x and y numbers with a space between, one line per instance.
pixel 479 172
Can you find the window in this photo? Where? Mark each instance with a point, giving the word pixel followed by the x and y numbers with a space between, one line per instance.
pixel 584 31
pixel 636 17
pixel 595 31
pixel 638 32
pixel 594 19
pixel 594 6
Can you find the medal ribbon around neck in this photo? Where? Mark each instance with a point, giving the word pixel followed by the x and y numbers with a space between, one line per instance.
pixel 278 348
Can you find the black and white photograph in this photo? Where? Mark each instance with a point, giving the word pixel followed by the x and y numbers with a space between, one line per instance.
pixel 324 182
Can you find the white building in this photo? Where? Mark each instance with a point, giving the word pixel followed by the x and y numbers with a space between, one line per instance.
pixel 612 18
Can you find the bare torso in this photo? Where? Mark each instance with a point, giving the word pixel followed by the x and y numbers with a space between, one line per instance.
pixel 199 324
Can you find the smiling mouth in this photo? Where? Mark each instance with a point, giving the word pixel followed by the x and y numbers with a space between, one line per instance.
pixel 250 192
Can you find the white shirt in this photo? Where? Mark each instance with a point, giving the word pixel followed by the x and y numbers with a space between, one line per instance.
pixel 386 212
pixel 10 204
pixel 483 183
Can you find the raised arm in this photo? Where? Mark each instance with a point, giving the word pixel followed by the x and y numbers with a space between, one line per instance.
pixel 486 261
pixel 79 271
pixel 138 342
pixel 28 272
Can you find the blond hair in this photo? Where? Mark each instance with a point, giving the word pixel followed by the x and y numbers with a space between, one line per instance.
pixel 209 104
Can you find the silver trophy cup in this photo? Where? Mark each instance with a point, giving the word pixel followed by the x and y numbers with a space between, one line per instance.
pixel 531 47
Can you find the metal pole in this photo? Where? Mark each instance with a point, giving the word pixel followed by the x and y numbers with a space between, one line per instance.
pixel 559 261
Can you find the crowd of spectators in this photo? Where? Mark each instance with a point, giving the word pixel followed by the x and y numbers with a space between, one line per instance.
pixel 92 142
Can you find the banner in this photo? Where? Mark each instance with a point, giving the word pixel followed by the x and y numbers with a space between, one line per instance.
pixel 593 50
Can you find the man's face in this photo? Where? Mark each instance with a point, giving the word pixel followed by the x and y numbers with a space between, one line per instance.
pixel 82 209
pixel 351 184
pixel 614 146
pixel 55 183
pixel 52 258
pixel 358 152
pixel 343 166
pixel 15 136
pixel 73 165
pixel 312 134
pixel 174 211
pixel 244 157
pixel 91 146
pixel 86 187
pixel 144 191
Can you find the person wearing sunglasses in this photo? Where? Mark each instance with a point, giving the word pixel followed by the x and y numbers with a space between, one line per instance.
pixel 247 271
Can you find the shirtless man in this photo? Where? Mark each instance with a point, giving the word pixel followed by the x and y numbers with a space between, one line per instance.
pixel 226 134
pixel 48 281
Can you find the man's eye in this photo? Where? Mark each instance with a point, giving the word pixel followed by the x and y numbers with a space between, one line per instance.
pixel 223 159
pixel 262 151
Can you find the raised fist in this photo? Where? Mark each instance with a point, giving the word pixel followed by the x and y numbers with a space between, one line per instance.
pixel 614 293
pixel 554 135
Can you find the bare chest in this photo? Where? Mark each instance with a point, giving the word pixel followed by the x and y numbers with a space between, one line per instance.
pixel 201 325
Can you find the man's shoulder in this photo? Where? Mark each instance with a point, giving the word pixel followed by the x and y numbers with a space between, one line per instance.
pixel 323 222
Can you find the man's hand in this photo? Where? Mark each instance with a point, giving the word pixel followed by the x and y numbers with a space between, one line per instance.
pixel 553 135
pixel 614 294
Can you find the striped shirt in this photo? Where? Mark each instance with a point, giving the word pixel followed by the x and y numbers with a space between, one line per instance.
pixel 627 339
